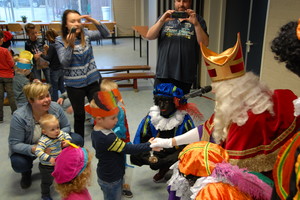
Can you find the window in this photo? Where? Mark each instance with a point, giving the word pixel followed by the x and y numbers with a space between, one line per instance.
pixel 52 10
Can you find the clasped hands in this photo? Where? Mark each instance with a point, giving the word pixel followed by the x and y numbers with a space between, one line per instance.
pixel 157 144
pixel 192 16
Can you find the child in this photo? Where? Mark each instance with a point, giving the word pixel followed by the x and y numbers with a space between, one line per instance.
pixel 22 70
pixel 56 70
pixel 121 128
pixel 36 46
pixel 72 173
pixel 55 139
pixel 110 150
pixel 6 77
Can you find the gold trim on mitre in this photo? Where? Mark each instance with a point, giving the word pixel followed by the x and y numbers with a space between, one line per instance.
pixel 227 65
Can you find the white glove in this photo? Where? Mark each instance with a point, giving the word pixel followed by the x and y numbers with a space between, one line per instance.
pixel 297 107
pixel 160 142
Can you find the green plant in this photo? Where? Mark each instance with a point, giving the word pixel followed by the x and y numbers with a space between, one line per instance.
pixel 24 18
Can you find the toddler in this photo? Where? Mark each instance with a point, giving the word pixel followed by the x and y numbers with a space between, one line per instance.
pixel 49 147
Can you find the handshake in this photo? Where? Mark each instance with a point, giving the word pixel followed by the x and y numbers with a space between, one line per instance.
pixel 159 143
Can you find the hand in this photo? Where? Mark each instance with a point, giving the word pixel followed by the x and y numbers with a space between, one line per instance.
pixel 46 47
pixel 37 55
pixel 47 151
pixel 70 40
pixel 60 101
pixel 89 19
pixel 52 161
pixel 166 16
pixel 192 17
pixel 157 149
pixel 161 142
pixel 65 143
pixel 33 148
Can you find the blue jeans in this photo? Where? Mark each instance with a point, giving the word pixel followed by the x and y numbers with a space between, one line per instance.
pixel 111 191
pixel 57 82
pixel 23 163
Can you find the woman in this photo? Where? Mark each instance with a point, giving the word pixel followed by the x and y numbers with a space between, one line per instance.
pixel 76 56
pixel 56 70
pixel 25 130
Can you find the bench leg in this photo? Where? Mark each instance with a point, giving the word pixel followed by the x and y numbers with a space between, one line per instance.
pixel 135 85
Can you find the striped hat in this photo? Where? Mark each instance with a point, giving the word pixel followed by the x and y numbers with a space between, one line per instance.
pixel 106 103
pixel 200 158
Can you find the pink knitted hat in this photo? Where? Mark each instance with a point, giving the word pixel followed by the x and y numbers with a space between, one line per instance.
pixel 69 164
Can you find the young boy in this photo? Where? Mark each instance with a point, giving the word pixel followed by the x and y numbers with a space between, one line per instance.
pixel 22 70
pixel 110 150
pixel 36 46
pixel 121 130
pixel 6 77
pixel 53 139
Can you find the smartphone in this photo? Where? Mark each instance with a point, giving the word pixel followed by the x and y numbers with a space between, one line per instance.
pixel 179 14
pixel 73 30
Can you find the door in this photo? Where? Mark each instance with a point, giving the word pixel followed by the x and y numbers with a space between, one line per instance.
pixel 247 17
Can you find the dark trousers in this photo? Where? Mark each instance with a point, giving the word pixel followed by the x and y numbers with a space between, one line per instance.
pixel 6 84
pixel 57 83
pixel 47 179
pixel 186 87
pixel 77 96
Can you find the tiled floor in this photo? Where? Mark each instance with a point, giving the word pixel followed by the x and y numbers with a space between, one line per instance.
pixel 137 105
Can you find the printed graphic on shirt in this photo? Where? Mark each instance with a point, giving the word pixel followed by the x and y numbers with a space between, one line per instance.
pixel 185 31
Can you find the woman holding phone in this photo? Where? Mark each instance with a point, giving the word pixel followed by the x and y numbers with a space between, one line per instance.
pixel 75 53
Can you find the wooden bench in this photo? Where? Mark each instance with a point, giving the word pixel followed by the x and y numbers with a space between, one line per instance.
pixel 113 69
pixel 128 76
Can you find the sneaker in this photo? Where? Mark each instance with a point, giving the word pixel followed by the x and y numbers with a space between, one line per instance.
pixel 46 198
pixel 126 191
pixel 25 180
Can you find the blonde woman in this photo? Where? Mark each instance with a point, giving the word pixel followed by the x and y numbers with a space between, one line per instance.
pixel 25 131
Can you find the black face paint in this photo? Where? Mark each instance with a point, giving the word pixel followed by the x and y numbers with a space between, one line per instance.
pixel 166 105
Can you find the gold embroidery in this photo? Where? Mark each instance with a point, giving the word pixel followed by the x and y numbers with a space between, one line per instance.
pixel 259 163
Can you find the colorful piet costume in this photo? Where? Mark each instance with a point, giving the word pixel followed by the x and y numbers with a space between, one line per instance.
pixel 203 172
pixel 155 125
pixel 286 173
pixel 254 141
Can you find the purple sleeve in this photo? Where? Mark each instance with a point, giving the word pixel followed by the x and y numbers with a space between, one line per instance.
pixel 200 131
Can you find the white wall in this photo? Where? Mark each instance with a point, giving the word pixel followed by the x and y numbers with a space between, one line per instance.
pixel 214 12
pixel 152 17
pixel 127 14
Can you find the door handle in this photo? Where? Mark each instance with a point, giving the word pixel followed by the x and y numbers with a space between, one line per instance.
pixel 248 46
